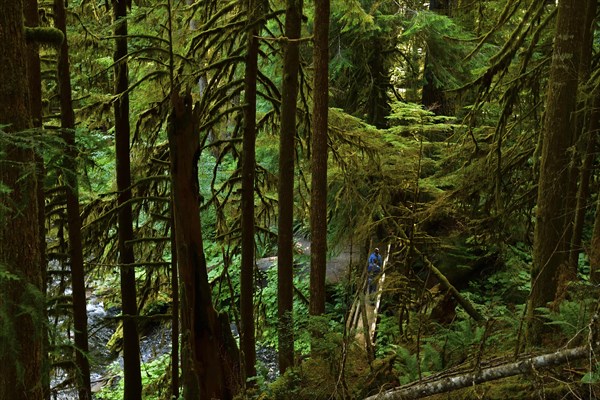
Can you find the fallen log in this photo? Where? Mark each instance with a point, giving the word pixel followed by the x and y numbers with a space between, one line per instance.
pixel 447 383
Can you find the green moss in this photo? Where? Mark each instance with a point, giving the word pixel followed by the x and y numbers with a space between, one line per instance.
pixel 44 35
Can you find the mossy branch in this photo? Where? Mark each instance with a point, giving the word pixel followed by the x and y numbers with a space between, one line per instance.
pixel 44 35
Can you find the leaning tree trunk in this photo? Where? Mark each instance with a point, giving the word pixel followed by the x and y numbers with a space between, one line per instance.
pixel 22 302
pixel 131 343
pixel 318 206
pixel 209 360
pixel 550 241
pixel 287 138
pixel 67 119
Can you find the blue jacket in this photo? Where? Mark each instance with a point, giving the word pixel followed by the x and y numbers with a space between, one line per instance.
pixel 375 262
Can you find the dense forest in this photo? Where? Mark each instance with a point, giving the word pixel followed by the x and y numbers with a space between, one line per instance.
pixel 190 192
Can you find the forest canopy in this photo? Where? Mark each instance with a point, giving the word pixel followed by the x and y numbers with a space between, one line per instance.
pixel 192 193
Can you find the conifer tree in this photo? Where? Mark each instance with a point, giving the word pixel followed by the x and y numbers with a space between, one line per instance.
pixel 550 241
pixel 73 217
pixel 247 335
pixel 285 256
pixel 318 206
pixel 131 344
pixel 21 279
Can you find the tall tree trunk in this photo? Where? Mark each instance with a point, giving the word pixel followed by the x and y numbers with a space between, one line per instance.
pixel 175 309
pixel 285 241
pixel 550 241
pixel 67 117
pixel 378 102
pixel 131 343
pixel 247 337
pixel 34 75
pixel 22 302
pixel 588 139
pixel 584 186
pixel 209 361
pixel 318 208
pixel 595 249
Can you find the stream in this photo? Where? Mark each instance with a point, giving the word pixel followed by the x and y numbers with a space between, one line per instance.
pixel 101 327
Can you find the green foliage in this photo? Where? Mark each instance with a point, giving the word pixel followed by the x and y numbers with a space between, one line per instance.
pixel 337 368
pixel 21 301
pixel 592 377
pixel 267 310
pixel 409 369
pixel 572 317
pixel 447 47
pixel 352 16
pixel 155 381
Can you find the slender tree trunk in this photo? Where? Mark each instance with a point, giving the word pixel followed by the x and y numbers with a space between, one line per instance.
pixel 209 364
pixel 584 186
pixel 247 338
pixel 379 107
pixel 595 249
pixel 131 343
pixel 590 128
pixel 318 209
pixel 550 241
pixel 22 303
pixel 175 309
pixel 285 240
pixel 73 217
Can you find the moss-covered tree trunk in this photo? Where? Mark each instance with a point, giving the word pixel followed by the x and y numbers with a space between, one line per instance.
pixel 247 337
pixel 550 240
pixel 287 138
pixel 131 343
pixel 318 196
pixel 209 361
pixel 67 121
pixel 21 280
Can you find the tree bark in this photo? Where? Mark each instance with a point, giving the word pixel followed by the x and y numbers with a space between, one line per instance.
pixel 319 153
pixel 247 336
pixel 590 127
pixel 34 75
pixel 550 241
pixel 73 217
pixel 285 241
pixel 584 186
pixel 595 248
pixel 22 302
pixel 209 361
pixel 175 309
pixel 131 344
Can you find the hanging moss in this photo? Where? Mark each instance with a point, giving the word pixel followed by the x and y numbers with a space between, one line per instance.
pixel 44 35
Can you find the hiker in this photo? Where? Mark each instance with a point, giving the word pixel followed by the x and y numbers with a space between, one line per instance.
pixel 374 269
